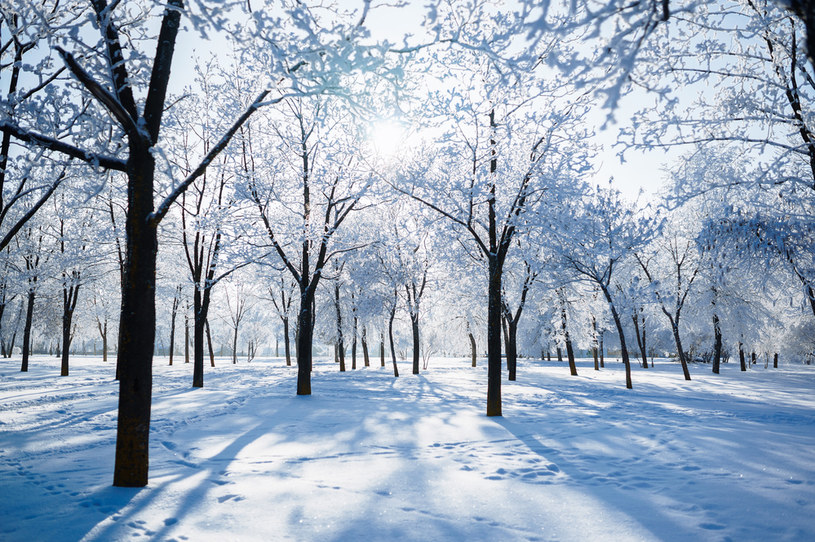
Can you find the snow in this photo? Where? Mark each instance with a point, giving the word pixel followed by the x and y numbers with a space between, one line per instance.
pixel 727 457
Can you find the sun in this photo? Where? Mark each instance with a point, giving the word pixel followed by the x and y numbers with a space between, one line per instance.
pixel 386 137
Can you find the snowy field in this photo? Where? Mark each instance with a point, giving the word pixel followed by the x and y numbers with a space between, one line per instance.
pixel 370 457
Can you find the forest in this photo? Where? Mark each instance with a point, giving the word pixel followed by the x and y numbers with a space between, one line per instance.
pixel 359 184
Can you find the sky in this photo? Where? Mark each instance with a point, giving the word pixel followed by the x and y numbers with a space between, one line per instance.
pixel 640 177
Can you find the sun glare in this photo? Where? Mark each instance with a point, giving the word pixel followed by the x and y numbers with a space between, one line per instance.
pixel 386 137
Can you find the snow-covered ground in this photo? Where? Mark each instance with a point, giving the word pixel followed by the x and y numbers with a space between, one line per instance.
pixel 370 457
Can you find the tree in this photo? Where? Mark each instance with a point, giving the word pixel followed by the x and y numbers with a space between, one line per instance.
pixel 511 319
pixel 510 145
pixel 282 307
pixel 329 190
pixel 679 269
pixel 595 241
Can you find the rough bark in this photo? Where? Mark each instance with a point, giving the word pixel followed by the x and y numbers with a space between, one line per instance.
pixel 472 349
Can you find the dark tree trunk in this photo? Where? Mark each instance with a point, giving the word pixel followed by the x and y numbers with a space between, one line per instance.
pixel 602 352
pixel 340 342
pixel 568 341
pixel 753 357
pixel 365 358
pixel 353 353
pixel 29 317
pixel 472 348
pixel 682 357
pixel 173 314
pixel 390 336
pixel 594 342
pixel 105 341
pixel 354 336
pixel 235 345
pixel 209 344
pixel 286 345
pixel 382 349
pixel 640 339
pixel 494 314
pixel 200 303
pixel 187 337
pixel 717 344
pixel 70 295
pixel 512 349
pixel 775 360
pixel 137 325
pixel 624 350
pixel 741 358
pixel 414 324
pixel 305 331
pixel 559 353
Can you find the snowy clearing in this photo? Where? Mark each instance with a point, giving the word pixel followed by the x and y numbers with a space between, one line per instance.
pixel 726 457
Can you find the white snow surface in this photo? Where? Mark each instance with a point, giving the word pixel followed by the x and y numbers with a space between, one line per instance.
pixel 370 457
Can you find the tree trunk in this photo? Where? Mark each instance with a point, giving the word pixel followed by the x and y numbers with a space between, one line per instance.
pixel 198 350
pixel 682 358
pixel 137 325
pixel 29 316
pixel 209 344
pixel 340 342
pixel 472 348
pixel 559 353
pixel 775 360
pixel 414 323
pixel 305 331
pixel 741 358
pixel 235 345
pixel 717 344
pixel 640 340
pixel 602 352
pixel 187 337
pixel 390 336
pixel 594 342
pixel 172 328
pixel 568 341
pixel 494 314
pixel 365 358
pixel 354 336
pixel 70 295
pixel 200 303
pixel 624 350
pixel 286 346
pixel 382 348
pixel 512 349
pixel 105 341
